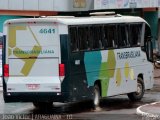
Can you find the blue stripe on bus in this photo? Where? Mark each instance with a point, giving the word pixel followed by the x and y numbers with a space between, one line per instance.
pixel 92 61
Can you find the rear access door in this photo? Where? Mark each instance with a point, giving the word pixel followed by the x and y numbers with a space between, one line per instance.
pixel 33 57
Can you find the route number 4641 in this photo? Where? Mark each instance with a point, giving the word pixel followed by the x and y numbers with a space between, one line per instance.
pixel 46 31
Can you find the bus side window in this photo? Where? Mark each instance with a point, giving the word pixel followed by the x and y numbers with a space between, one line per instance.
pixel 147 33
pixel 100 37
pixel 122 36
pixel 89 38
pixel 82 36
pixel 113 36
pixel 106 32
pixel 135 33
pixel 73 31
pixel 95 37
pixel 127 36
pixel 110 36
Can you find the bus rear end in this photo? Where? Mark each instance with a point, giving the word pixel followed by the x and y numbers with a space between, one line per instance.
pixel 31 61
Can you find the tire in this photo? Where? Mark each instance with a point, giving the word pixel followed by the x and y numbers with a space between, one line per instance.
pixel 96 99
pixel 5 98
pixel 42 105
pixel 138 95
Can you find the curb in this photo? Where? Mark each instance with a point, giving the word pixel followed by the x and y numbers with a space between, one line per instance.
pixel 147 115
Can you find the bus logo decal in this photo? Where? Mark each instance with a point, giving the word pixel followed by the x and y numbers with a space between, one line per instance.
pixel 128 54
pixel 12 47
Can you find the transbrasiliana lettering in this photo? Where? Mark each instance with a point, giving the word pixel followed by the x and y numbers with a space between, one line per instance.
pixel 128 54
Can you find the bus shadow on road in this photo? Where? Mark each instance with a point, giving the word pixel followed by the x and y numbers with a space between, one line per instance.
pixel 118 103
pixel 67 108
pixel 86 106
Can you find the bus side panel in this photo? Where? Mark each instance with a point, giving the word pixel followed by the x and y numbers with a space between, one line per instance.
pixel 74 86
pixel 116 69
pixel 81 88
pixel 66 83
pixel 146 69
pixel 78 78
pixel 123 62
pixel 97 68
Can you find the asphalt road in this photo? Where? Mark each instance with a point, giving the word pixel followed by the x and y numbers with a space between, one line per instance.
pixel 113 108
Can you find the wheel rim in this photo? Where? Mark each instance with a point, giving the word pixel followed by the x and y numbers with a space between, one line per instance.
pixel 139 89
pixel 96 97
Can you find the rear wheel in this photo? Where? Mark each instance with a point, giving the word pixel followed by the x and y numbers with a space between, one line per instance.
pixel 138 95
pixel 96 99
pixel 42 105
pixel 6 99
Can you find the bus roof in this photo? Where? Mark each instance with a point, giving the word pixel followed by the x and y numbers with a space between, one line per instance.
pixel 80 20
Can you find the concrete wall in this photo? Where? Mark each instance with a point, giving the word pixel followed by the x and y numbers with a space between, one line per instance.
pixel 47 5
pixel 122 4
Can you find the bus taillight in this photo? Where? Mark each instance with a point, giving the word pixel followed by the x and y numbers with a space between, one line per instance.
pixel 61 71
pixel 6 70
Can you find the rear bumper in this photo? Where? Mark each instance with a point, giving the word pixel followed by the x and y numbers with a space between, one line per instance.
pixel 36 97
pixel 33 84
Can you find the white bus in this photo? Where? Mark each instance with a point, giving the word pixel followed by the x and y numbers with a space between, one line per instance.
pixel 76 58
